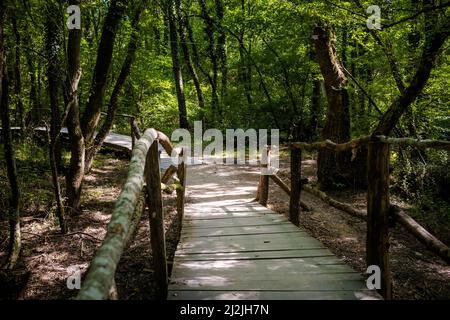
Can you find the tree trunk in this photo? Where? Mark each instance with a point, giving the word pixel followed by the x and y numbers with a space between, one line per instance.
pixel 333 168
pixel 245 72
pixel 123 75
pixel 92 114
pixel 74 177
pixel 17 75
pixel 176 67
pixel 209 30
pixel 13 214
pixel 34 116
pixel 315 109
pixel 222 47
pixel 186 54
pixel 52 51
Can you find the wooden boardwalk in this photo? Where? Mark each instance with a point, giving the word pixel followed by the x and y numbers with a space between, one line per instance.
pixel 115 141
pixel 233 248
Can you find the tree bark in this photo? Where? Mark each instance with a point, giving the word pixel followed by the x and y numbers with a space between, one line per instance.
pixel 75 174
pixel 13 211
pixel 176 66
pixel 17 75
pixel 34 116
pixel 333 168
pixel 52 51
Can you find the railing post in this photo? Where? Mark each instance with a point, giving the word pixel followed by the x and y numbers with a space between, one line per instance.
pixel 181 192
pixel 296 186
pixel 263 187
pixel 377 245
pixel 157 238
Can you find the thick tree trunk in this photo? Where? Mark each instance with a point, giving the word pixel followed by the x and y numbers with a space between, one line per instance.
pixel 74 177
pixel 176 66
pixel 333 168
pixel 13 214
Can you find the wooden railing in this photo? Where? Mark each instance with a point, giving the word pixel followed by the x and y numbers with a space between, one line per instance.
pixel 379 209
pixel 142 190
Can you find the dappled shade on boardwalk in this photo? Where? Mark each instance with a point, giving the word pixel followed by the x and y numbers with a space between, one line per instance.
pixel 233 248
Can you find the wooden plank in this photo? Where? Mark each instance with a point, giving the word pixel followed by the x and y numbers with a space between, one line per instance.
pixel 210 212
pixel 248 243
pixel 273 295
pixel 267 229
pixel 229 215
pixel 255 269
pixel 250 221
pixel 347 281
pixel 260 255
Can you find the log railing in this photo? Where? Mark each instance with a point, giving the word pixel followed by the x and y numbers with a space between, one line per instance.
pixel 379 209
pixel 142 189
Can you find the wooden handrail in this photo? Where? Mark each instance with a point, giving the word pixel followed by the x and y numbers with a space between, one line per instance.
pixel 103 266
pixel 144 167
pixel 379 209
pixel 355 143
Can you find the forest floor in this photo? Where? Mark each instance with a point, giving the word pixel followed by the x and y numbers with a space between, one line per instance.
pixel 50 258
